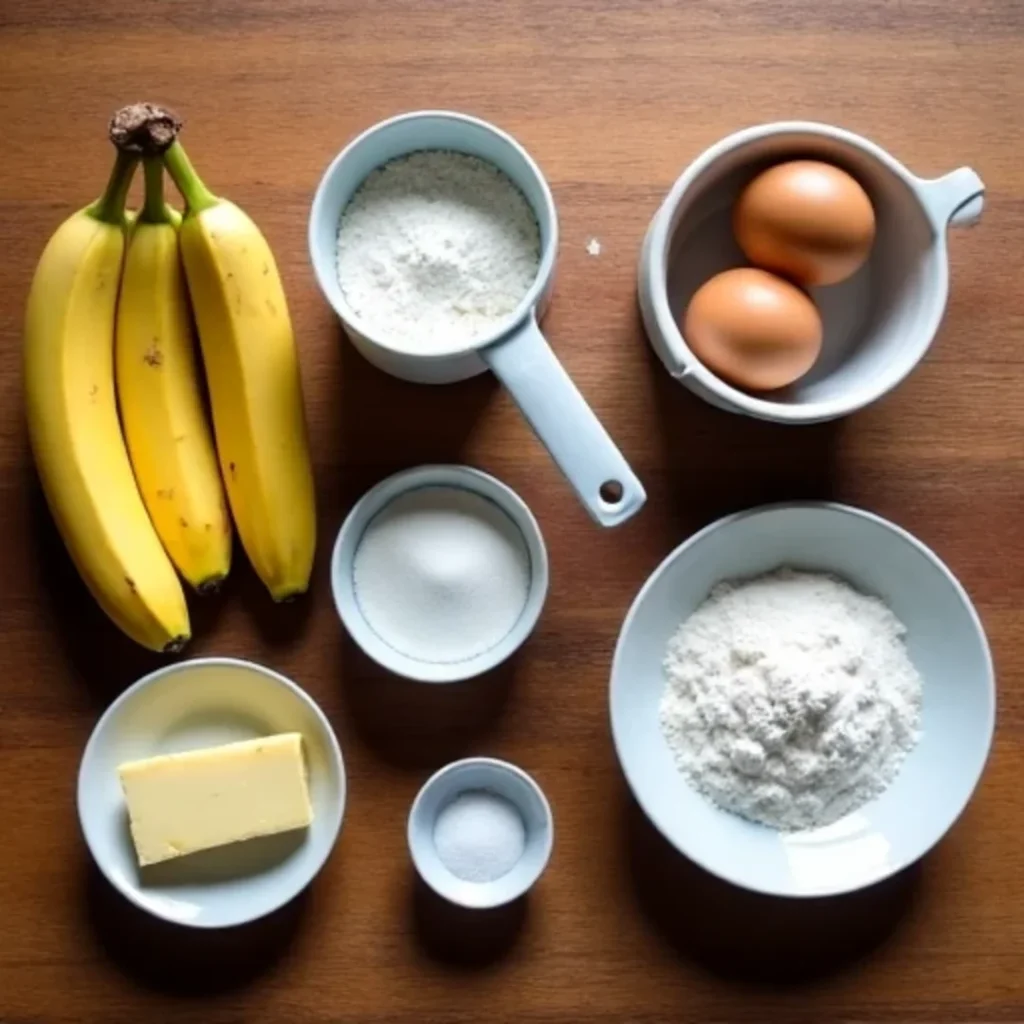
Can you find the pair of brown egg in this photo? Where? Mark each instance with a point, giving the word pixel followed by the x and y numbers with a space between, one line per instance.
pixel 809 222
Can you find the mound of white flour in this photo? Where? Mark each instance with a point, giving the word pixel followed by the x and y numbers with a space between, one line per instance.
pixel 436 248
pixel 790 698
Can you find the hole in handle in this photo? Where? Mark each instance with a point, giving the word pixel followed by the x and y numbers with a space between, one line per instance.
pixel 611 492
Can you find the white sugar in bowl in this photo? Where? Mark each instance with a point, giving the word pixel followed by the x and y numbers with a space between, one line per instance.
pixel 439 573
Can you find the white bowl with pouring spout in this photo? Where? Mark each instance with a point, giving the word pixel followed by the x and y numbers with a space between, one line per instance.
pixel 878 324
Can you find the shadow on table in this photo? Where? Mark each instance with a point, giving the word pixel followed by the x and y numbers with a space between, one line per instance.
pixel 100 655
pixel 384 424
pixel 186 961
pixel 470 939
pixel 718 462
pixel 280 624
pixel 747 936
pixel 421 725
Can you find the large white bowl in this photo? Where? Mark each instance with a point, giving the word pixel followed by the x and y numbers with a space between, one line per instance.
pixel 202 703
pixel 945 641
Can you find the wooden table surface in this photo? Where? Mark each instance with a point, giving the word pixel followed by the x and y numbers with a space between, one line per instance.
pixel 613 98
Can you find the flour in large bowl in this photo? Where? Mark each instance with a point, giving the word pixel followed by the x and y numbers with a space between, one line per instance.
pixel 790 698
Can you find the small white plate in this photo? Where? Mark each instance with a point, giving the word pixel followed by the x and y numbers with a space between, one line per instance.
pixel 504 780
pixel 202 703
pixel 945 641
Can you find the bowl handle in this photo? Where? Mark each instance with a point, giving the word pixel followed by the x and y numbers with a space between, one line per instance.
pixel 566 425
pixel 953 200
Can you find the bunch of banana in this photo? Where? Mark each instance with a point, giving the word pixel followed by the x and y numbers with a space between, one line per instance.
pixel 158 390
pixel 73 425
pixel 253 374
pixel 129 504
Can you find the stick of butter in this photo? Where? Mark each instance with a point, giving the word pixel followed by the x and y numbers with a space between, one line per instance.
pixel 182 803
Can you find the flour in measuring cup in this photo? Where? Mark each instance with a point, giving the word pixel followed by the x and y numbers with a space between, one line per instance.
pixel 436 249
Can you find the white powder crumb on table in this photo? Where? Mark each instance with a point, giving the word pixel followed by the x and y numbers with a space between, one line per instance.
pixel 441 574
pixel 790 698
pixel 435 249
pixel 480 836
pixel 594 247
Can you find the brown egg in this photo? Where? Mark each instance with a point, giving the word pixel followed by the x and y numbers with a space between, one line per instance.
pixel 807 220
pixel 753 329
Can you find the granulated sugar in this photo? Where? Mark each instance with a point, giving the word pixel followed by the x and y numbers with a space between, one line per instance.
pixel 442 574
pixel 479 836
pixel 790 698
pixel 436 248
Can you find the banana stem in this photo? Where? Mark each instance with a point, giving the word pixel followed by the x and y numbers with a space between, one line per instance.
pixel 190 185
pixel 109 208
pixel 154 210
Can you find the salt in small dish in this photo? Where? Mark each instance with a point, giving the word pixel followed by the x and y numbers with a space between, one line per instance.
pixel 375 501
pixel 186 706
pixel 500 779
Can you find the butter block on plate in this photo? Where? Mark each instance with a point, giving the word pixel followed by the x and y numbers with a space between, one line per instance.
pixel 183 803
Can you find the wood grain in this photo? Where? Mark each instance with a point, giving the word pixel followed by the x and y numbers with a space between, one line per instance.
pixel 613 98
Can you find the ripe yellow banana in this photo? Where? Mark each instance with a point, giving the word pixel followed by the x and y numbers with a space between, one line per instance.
pixel 73 425
pixel 253 374
pixel 169 440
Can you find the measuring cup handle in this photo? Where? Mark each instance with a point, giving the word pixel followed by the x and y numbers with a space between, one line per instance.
pixel 565 424
pixel 955 199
